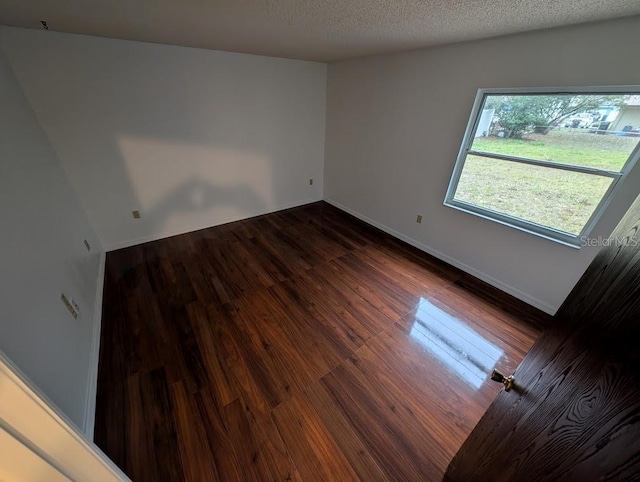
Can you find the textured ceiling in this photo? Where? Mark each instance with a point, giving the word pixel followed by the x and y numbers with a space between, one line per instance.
pixel 322 30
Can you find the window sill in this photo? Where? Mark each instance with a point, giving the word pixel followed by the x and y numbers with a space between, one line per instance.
pixel 505 220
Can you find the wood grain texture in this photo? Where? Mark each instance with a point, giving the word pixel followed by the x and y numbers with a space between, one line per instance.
pixel 607 297
pixel 577 414
pixel 300 345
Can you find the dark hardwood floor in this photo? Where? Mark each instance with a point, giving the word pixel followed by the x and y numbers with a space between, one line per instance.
pixel 576 416
pixel 299 345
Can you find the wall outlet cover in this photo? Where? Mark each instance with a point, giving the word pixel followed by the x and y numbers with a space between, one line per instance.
pixel 71 305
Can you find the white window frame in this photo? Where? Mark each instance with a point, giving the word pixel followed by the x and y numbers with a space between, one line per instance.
pixel 521 224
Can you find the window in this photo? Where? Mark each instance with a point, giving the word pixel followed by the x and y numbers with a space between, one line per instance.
pixel 546 161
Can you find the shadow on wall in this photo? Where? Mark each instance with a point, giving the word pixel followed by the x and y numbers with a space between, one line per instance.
pixel 180 185
pixel 197 196
pixel 191 138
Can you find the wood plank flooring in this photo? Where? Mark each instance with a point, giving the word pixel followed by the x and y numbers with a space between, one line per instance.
pixel 576 416
pixel 299 345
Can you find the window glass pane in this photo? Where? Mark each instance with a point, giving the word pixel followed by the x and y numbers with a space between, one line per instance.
pixel 591 130
pixel 555 198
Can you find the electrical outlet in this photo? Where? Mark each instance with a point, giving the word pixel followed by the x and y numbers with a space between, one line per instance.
pixel 310 182
pixel 419 219
pixel 136 214
pixel 87 245
pixel 71 305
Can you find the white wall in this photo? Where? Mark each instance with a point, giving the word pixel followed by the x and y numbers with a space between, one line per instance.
pixel 394 128
pixel 191 138
pixel 41 255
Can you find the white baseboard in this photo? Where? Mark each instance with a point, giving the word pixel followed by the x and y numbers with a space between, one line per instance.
pixel 92 386
pixel 541 305
pixel 155 237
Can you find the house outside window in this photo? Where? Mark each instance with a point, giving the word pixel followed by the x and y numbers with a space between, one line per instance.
pixel 546 161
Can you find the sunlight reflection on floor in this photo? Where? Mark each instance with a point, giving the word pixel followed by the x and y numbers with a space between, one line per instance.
pixel 462 350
